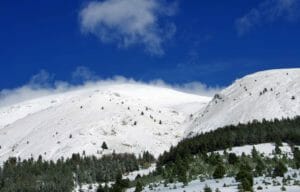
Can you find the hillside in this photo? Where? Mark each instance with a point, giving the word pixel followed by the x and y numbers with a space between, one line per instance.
pixel 128 117
pixel 136 117
pixel 263 95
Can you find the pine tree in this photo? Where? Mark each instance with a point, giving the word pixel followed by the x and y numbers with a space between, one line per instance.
pixel 260 167
pixel 279 170
pixel 181 169
pixel 219 172
pixel 232 158
pixel 100 188
pixel 207 189
pixel 254 152
pixel 296 153
pixel 277 149
pixel 138 187
pixel 245 177
pixel 104 146
pixel 246 184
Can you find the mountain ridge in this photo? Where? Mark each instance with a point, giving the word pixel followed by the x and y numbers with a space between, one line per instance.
pixel 263 95
pixel 129 117
pixel 135 118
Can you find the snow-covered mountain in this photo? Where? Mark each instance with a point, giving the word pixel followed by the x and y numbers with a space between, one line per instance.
pixel 128 117
pixel 133 117
pixel 263 95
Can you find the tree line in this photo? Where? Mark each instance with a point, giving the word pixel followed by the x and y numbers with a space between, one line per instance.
pixel 62 175
pixel 255 132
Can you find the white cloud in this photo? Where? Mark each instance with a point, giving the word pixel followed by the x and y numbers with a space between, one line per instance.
pixel 129 22
pixel 44 88
pixel 83 74
pixel 267 12
pixel 40 84
pixel 41 79
pixel 191 87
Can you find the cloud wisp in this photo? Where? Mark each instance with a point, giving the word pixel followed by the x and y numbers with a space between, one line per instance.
pixel 268 12
pixel 47 86
pixel 130 23
pixel 83 74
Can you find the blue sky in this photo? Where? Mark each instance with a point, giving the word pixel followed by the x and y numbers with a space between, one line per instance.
pixel 212 42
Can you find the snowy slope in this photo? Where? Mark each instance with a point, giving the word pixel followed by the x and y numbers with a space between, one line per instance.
pixel 81 120
pixel 267 94
pixel 266 149
pixel 231 185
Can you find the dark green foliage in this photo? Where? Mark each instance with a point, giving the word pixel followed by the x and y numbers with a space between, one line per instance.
pixel 244 174
pixel 214 159
pixel 146 159
pixel 138 187
pixel 207 189
pixel 120 184
pixel 260 167
pixel 254 152
pixel 277 149
pixel 246 178
pixel 232 158
pixel 104 146
pixel 42 176
pixel 246 185
pixel 190 158
pixel 100 189
pixel 219 172
pixel 280 169
pixel 194 156
pixel 34 176
pixel 181 169
pixel 138 177
pixel 278 142
pixel 106 188
pixel 287 130
pixel 297 157
pixel 188 169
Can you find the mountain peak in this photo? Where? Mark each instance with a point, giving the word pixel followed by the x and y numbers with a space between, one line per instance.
pixel 129 117
pixel 263 95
